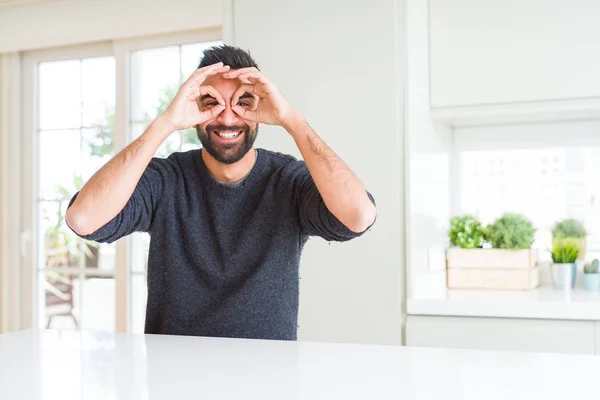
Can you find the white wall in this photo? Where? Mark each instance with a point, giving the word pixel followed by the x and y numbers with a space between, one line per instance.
pixel 66 22
pixel 340 63
pixel 497 52
pixel 428 160
pixel 9 193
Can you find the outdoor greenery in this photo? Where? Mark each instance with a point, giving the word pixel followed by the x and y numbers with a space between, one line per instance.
pixel 62 246
pixel 565 251
pixel 465 232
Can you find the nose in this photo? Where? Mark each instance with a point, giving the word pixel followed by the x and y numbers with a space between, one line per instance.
pixel 228 117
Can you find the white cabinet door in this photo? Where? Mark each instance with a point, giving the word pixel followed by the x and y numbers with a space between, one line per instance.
pixel 489 52
pixel 529 335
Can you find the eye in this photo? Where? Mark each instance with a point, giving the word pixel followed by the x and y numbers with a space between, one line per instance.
pixel 208 104
pixel 244 103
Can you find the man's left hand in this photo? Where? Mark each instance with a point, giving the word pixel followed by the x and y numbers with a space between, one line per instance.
pixel 271 107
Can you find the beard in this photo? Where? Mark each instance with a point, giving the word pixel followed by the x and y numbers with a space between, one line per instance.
pixel 227 153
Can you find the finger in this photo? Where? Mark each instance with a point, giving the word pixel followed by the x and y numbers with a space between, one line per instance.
pixel 210 90
pixel 213 112
pixel 234 73
pixel 198 79
pixel 253 74
pixel 246 114
pixel 202 70
pixel 200 74
pixel 258 78
pixel 244 88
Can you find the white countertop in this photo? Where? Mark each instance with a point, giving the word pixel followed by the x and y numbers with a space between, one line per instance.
pixel 70 365
pixel 544 303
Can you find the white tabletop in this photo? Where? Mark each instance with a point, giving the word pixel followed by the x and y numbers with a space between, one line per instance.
pixel 70 365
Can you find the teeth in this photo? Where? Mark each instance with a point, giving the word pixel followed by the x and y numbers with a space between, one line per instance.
pixel 228 135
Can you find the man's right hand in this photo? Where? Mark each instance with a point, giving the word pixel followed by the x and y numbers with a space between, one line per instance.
pixel 183 112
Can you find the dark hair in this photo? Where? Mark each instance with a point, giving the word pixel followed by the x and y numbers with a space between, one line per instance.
pixel 235 57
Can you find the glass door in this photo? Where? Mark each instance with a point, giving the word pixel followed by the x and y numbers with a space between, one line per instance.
pixel 156 75
pixel 74 138
pixel 81 105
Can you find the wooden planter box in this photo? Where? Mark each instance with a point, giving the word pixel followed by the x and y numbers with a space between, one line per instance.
pixel 492 269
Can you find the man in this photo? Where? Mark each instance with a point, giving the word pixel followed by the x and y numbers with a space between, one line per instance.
pixel 227 222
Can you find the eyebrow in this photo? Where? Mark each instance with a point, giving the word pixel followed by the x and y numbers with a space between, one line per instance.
pixel 206 96
pixel 247 95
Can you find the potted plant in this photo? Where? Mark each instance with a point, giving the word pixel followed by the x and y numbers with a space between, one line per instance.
pixel 511 231
pixel 591 275
pixel 465 232
pixel 571 228
pixel 564 267
pixel 496 257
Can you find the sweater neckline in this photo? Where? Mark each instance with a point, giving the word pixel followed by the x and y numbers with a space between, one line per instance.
pixel 251 177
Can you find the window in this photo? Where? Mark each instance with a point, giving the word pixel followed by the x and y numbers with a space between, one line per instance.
pixel 156 75
pixel 86 103
pixel 76 98
pixel 544 184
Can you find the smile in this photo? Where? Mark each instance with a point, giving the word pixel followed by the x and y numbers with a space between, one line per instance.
pixel 227 134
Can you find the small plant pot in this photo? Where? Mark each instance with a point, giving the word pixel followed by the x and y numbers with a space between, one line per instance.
pixel 591 281
pixel 563 275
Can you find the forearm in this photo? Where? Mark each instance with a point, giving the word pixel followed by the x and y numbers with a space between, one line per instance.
pixel 341 190
pixel 109 189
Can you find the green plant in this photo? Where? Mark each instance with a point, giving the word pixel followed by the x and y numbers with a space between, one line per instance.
pixel 568 228
pixel 62 247
pixel 466 232
pixel 592 268
pixel 565 252
pixel 511 231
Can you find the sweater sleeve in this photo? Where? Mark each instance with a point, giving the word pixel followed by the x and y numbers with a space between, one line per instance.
pixel 138 212
pixel 314 216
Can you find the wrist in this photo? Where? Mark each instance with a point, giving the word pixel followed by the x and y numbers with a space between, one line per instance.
pixel 163 126
pixel 293 122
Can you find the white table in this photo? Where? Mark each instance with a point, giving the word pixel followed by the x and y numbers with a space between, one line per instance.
pixel 71 365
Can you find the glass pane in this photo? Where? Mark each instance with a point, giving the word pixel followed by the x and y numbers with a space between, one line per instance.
pixel 98 90
pixel 546 185
pixel 189 140
pixel 137 129
pixel 59 163
pixel 98 304
pixel 191 54
pixel 139 295
pixel 60 293
pixel 59 246
pixel 103 257
pixel 97 149
pixel 154 75
pixel 60 94
pixel 140 244
pixel 172 143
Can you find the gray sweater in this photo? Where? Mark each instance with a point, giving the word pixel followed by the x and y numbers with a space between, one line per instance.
pixel 224 259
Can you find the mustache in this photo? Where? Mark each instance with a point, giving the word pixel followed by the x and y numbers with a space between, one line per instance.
pixel 220 127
